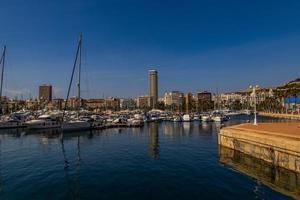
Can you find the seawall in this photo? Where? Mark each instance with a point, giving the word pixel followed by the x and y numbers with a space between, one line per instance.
pixel 276 143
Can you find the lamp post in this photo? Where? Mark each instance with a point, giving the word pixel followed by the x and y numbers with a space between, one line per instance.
pixel 254 94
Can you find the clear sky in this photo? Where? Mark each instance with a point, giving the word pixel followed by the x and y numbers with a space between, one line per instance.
pixel 194 45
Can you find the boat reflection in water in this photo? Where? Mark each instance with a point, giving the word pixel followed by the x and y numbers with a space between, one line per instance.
pixel 278 179
pixel 153 140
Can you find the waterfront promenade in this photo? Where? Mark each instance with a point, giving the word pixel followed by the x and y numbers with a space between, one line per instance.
pixel 281 115
pixel 276 143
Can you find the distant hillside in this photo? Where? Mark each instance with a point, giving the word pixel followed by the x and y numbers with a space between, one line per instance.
pixel 294 84
pixel 288 89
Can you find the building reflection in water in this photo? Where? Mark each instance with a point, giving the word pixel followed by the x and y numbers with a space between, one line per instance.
pixel 73 183
pixel 278 179
pixel 153 140
pixel 187 127
pixel 206 127
pixel 13 132
pixel 173 129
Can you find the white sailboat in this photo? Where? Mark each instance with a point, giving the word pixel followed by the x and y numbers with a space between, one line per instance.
pixel 75 124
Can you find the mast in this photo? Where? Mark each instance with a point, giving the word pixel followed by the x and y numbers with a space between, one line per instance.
pixel 73 71
pixel 79 70
pixel 2 60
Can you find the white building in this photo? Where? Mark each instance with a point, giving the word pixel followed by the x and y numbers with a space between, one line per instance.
pixel 174 98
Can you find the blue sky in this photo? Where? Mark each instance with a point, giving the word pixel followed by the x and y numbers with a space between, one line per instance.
pixel 194 45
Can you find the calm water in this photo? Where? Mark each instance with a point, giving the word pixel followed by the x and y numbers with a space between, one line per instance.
pixel 159 161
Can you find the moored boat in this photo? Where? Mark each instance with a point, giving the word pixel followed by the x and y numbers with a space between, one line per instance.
pixel 186 118
pixel 44 122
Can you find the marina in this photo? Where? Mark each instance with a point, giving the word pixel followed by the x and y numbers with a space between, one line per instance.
pixel 160 160
pixel 149 100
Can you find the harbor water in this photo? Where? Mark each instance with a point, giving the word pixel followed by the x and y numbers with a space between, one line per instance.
pixel 165 160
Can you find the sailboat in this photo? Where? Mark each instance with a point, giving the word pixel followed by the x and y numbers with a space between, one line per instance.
pixel 7 122
pixel 75 123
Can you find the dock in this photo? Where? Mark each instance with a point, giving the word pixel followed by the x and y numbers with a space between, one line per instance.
pixel 275 143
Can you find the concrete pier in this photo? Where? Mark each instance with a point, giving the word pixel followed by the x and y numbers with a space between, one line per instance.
pixel 276 143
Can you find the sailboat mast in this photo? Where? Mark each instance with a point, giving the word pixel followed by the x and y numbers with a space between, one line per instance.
pixel 2 73
pixel 2 61
pixel 73 70
pixel 79 70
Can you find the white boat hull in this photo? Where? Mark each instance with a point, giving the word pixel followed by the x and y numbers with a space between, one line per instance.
pixel 40 124
pixel 76 126
pixel 7 125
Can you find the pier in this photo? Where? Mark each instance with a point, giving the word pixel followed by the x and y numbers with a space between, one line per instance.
pixel 275 143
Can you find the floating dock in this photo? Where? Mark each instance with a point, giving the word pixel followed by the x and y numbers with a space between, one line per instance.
pixel 276 143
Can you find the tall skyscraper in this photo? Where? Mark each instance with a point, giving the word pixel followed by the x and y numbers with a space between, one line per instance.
pixel 153 88
pixel 45 93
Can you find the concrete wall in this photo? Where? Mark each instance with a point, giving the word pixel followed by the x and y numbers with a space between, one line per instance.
pixel 277 178
pixel 277 150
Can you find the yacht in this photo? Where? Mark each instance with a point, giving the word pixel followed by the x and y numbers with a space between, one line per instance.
pixel 186 118
pixel 44 122
pixel 205 118
pixel 196 117
pixel 135 122
pixel 177 119
pixel 97 121
pixel 75 125
pixel 11 123
pixel 217 118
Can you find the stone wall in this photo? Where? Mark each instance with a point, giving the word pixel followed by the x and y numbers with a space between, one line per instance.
pixel 277 150
pixel 284 181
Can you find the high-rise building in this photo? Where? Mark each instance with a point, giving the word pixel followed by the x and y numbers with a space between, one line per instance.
pixel 45 93
pixel 153 88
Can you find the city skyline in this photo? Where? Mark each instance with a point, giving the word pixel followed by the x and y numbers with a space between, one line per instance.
pixel 122 41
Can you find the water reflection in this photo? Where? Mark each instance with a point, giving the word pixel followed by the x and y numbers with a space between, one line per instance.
pixel 153 140
pixel 72 183
pixel 281 180
pixel 1 180
pixel 13 132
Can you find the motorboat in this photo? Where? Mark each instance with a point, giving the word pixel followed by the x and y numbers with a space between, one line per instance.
pixel 186 118
pixel 11 123
pixel 205 118
pixel 135 122
pixel 217 118
pixel 177 119
pixel 44 122
pixel 196 117
pixel 76 125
